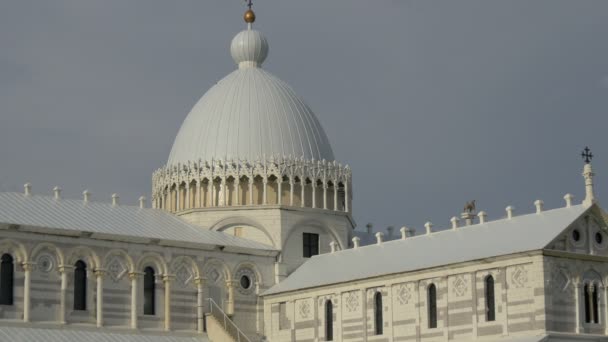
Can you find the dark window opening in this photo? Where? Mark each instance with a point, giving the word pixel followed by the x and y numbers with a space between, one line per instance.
pixel 149 291
pixel 576 235
pixel 587 304
pixel 80 285
pixel 310 244
pixel 329 321
pixel 245 282
pixel 7 279
pixel 490 303
pixel 378 313
pixel 599 238
pixel 432 303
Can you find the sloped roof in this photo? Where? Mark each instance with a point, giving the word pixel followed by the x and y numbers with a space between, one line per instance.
pixel 26 334
pixel 495 238
pixel 109 221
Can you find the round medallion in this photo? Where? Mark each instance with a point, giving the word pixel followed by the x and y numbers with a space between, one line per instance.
pixel 246 278
pixel 45 263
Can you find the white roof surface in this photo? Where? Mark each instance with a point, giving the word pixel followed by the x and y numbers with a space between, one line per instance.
pixel 250 115
pixel 29 334
pixel 502 237
pixel 104 219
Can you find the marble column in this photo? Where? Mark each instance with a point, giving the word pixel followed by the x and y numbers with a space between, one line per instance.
pixel 335 196
pixel 200 305
pixel 64 270
pixel 325 195
pixel 279 190
pixel 99 274
pixel 346 198
pixel 27 280
pixel 230 303
pixel 265 192
pixel 314 194
pixel 291 183
pixel 167 279
pixel 134 293
pixel 303 192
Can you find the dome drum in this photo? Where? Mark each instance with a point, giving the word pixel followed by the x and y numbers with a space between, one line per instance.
pixel 285 181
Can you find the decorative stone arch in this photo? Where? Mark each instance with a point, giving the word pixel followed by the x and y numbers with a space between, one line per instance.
pixel 318 224
pixel 219 265
pixel 15 249
pixel 185 269
pixel 45 263
pixel 242 220
pixel 592 276
pixel 83 253
pixel 152 259
pixel 250 265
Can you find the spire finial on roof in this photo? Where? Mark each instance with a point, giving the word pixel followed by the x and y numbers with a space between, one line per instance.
pixel 249 15
pixel 588 175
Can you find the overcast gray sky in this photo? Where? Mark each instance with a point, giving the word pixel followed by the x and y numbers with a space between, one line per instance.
pixel 432 103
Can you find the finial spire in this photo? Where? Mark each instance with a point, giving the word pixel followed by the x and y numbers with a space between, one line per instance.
pixel 249 15
pixel 588 175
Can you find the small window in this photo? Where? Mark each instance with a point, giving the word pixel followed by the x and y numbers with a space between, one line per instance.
pixel 329 321
pixel 80 286
pixel 7 279
pixel 432 306
pixel 490 302
pixel 149 291
pixel 310 244
pixel 576 235
pixel 591 303
pixel 599 238
pixel 245 282
pixel 238 231
pixel 378 320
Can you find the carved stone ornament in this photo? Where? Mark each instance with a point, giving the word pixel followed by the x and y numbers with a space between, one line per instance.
pixel 117 269
pixel 45 263
pixel 460 285
pixel 304 309
pixel 519 277
pixel 404 294
pixel 246 272
pixel 352 301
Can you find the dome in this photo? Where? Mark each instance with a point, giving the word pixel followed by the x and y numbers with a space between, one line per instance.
pixel 250 115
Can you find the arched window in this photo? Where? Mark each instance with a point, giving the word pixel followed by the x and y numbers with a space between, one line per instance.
pixel 378 313
pixel 591 303
pixel 329 321
pixel 490 302
pixel 7 276
pixel 432 306
pixel 80 286
pixel 149 291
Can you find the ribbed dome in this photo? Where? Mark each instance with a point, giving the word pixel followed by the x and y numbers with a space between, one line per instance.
pixel 250 115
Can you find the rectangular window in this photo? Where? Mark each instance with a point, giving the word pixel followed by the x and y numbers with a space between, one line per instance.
pixel 310 244
pixel 238 231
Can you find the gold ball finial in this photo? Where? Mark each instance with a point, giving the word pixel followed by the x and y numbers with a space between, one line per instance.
pixel 249 16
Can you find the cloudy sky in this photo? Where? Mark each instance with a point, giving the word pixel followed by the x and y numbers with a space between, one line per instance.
pixel 432 103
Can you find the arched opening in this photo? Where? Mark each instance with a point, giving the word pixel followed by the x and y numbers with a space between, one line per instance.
pixel 172 197
pixel 230 191
pixel 331 189
pixel 182 196
pixel 591 303
pixel 341 197
pixel 244 190
pixel 149 291
pixel 490 301
pixel 7 279
pixel 272 190
pixel 80 285
pixel 329 321
pixel 318 193
pixel 285 191
pixel 432 306
pixel 258 187
pixel 216 189
pixel 297 192
pixel 308 192
pixel 192 202
pixel 205 198
pixel 378 320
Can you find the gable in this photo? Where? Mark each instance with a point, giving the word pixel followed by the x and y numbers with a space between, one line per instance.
pixel 587 235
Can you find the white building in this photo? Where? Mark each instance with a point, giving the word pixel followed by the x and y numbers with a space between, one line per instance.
pixel 250 196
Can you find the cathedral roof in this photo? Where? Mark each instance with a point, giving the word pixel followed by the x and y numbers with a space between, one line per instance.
pixel 250 115
pixel 22 333
pixel 476 242
pixel 113 222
